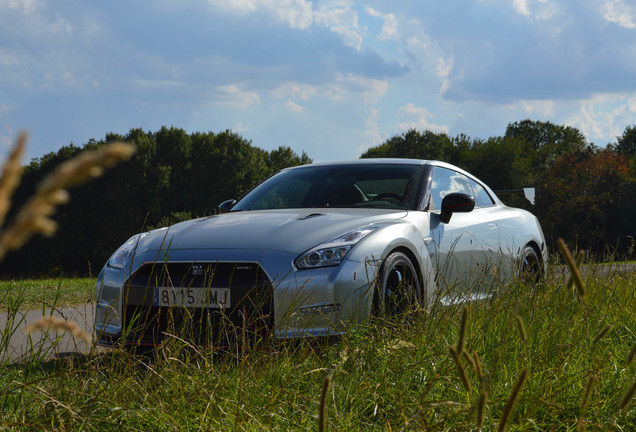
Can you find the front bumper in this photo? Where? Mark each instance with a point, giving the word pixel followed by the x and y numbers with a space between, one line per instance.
pixel 284 303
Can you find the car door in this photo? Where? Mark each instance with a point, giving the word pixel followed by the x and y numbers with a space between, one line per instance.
pixel 466 248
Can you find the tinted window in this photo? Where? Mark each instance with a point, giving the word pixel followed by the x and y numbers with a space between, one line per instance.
pixel 447 181
pixel 393 186
pixel 482 198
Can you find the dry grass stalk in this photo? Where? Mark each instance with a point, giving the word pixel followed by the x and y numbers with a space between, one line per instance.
pixel 59 324
pixel 579 260
pixel 461 339
pixel 460 368
pixel 632 354
pixel 587 391
pixel 600 334
pixel 322 418
pixel 481 408
pixel 512 400
pixel 469 358
pixel 10 177
pixel 627 397
pixel 521 326
pixel 478 369
pixel 574 269
pixel 34 216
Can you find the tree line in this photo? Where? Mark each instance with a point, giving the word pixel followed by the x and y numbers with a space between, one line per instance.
pixel 584 192
pixel 173 176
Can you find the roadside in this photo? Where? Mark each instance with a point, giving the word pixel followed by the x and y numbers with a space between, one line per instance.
pixel 21 345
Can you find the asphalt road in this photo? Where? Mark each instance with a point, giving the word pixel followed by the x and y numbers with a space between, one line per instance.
pixel 22 345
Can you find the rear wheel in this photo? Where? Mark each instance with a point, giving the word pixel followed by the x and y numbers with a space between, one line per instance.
pixel 531 268
pixel 398 289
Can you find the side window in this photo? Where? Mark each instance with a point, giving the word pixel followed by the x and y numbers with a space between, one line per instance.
pixel 447 181
pixel 482 198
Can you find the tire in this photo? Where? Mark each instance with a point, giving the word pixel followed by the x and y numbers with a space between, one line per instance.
pixel 398 289
pixel 531 266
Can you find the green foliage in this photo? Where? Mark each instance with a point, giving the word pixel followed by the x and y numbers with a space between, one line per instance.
pixel 173 175
pixel 626 143
pixel 586 198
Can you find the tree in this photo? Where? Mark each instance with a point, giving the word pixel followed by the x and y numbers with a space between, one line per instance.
pixel 549 141
pixel 585 200
pixel 626 143
pixel 416 145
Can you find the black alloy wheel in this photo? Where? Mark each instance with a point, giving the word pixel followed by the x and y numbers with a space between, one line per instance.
pixel 399 286
pixel 531 268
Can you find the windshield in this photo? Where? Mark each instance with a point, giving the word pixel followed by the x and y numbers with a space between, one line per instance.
pixel 390 186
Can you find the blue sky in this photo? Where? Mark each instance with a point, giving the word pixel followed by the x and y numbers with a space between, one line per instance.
pixel 331 78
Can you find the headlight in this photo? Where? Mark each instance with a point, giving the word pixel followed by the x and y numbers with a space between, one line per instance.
pixel 332 252
pixel 121 256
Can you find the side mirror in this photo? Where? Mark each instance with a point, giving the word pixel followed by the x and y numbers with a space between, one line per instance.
pixel 456 203
pixel 225 206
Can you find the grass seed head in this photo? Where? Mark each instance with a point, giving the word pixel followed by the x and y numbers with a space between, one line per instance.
pixel 512 400
pixel 59 324
pixel 574 269
pixel 627 397
pixel 34 217
pixel 460 367
pixel 632 354
pixel 521 326
pixel 600 334
pixel 587 391
pixel 10 177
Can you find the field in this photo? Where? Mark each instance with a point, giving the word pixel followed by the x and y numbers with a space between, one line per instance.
pixel 538 357
pixel 38 293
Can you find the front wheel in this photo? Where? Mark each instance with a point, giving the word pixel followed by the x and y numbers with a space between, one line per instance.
pixel 398 289
pixel 531 266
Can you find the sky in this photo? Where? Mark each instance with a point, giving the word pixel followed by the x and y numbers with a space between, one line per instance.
pixel 330 78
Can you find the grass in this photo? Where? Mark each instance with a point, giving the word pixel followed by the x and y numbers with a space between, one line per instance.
pixel 532 358
pixel 36 293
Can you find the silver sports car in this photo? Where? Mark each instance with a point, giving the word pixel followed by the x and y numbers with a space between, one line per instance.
pixel 314 249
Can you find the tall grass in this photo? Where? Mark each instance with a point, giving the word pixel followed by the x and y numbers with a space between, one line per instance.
pixel 534 357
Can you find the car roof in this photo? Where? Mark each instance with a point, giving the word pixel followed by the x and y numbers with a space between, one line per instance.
pixel 371 161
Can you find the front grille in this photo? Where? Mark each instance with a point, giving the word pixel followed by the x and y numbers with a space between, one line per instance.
pixel 248 318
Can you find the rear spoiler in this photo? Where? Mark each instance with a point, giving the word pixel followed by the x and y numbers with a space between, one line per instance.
pixel 527 192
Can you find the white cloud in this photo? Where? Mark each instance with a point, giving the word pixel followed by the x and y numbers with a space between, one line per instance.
pixel 390 26
pixel 537 9
pixel 618 12
pixel 294 107
pixel 603 117
pixel 295 90
pixel 4 109
pixel 25 6
pixel 234 96
pixel 417 118
pixel 521 6
pixel 8 58
pixel 372 134
pixel 296 13
pixel 542 108
pixel 342 20
pixel 337 16
pixel 350 84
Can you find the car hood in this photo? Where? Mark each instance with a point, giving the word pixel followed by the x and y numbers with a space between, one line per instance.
pixel 282 230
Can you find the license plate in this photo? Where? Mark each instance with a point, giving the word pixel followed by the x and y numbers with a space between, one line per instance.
pixel 215 298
